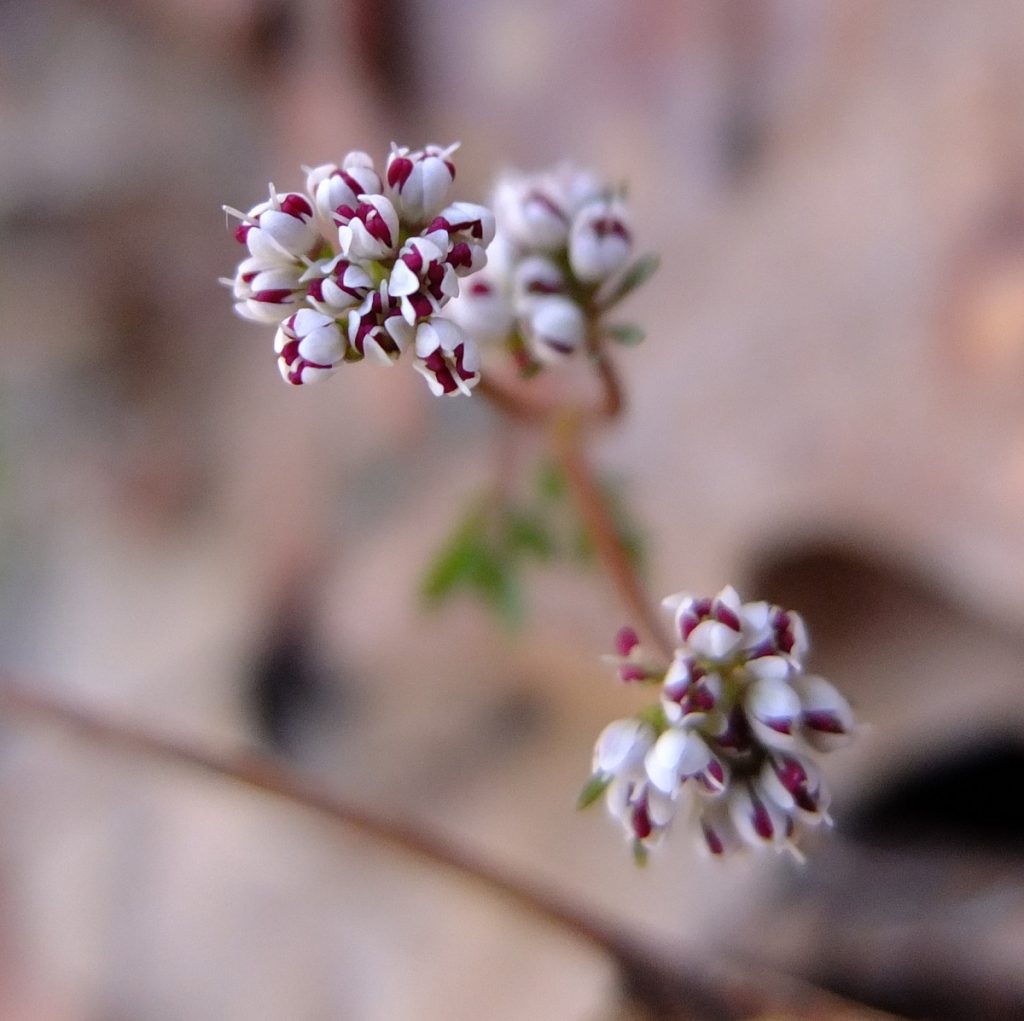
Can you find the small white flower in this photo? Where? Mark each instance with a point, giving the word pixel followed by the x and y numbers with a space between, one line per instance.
pixel 446 357
pixel 419 182
pixel 267 293
pixel 680 755
pixel 482 309
pixel 600 240
pixel 772 708
pixel 538 209
pixel 309 346
pixel 826 717
pixel 332 186
pixel 621 748
pixel 337 285
pixel 556 328
pixel 377 328
pixel 534 278
pixel 718 833
pixel 421 279
pixel 280 230
pixel 758 820
pixel 794 783
pixel 688 689
pixel 368 230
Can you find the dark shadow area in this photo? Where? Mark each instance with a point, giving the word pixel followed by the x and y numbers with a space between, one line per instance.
pixel 916 904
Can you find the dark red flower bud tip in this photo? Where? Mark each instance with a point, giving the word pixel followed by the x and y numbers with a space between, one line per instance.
pixel 725 616
pixel 242 232
pixel 762 821
pixel 626 641
pixel 701 700
pixel 826 722
pixel 714 841
pixel 642 826
pixel 296 205
pixel 275 297
pixel 792 775
pixel 399 170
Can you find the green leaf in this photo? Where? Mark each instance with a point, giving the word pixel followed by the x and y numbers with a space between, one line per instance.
pixel 627 334
pixel 492 577
pixel 526 534
pixel 593 789
pixel 456 563
pixel 638 273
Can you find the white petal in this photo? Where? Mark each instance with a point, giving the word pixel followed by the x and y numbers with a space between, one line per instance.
pixel 622 745
pixel 323 345
pixel 758 821
pixel 772 708
pixel 827 718
pixel 713 640
pixel 403 281
pixel 777 668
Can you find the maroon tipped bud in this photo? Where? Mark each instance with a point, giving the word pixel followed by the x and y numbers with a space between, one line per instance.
pixel 626 641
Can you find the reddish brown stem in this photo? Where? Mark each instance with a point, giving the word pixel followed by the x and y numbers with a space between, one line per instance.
pixel 605 536
pixel 523 409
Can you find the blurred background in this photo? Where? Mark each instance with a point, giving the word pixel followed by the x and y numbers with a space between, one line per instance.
pixel 829 412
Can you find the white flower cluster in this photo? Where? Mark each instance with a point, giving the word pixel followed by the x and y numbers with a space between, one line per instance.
pixel 360 264
pixel 730 742
pixel 561 236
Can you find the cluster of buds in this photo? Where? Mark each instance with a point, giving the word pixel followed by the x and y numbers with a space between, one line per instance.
pixel 562 241
pixel 361 264
pixel 731 740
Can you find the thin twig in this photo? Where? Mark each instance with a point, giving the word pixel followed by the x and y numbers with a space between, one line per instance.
pixel 270 775
pixel 651 974
pixel 642 964
pixel 514 404
pixel 523 409
pixel 605 536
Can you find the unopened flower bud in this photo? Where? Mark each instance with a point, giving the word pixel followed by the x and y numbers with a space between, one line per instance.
pixel 368 230
pixel 338 285
pixel 555 328
pixel 421 279
pixel 419 182
pixel 377 328
pixel 332 186
pixel 481 309
pixel 310 346
pixel 826 717
pixel 267 293
pixel 600 240
pixel 280 230
pixel 446 357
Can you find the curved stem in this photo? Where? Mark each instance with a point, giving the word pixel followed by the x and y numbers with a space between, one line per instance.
pixel 522 409
pixel 270 775
pixel 513 404
pixel 711 990
pixel 605 536
pixel 641 964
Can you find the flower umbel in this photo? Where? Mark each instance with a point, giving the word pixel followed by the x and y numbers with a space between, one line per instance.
pixel 363 263
pixel 730 744
pixel 562 248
